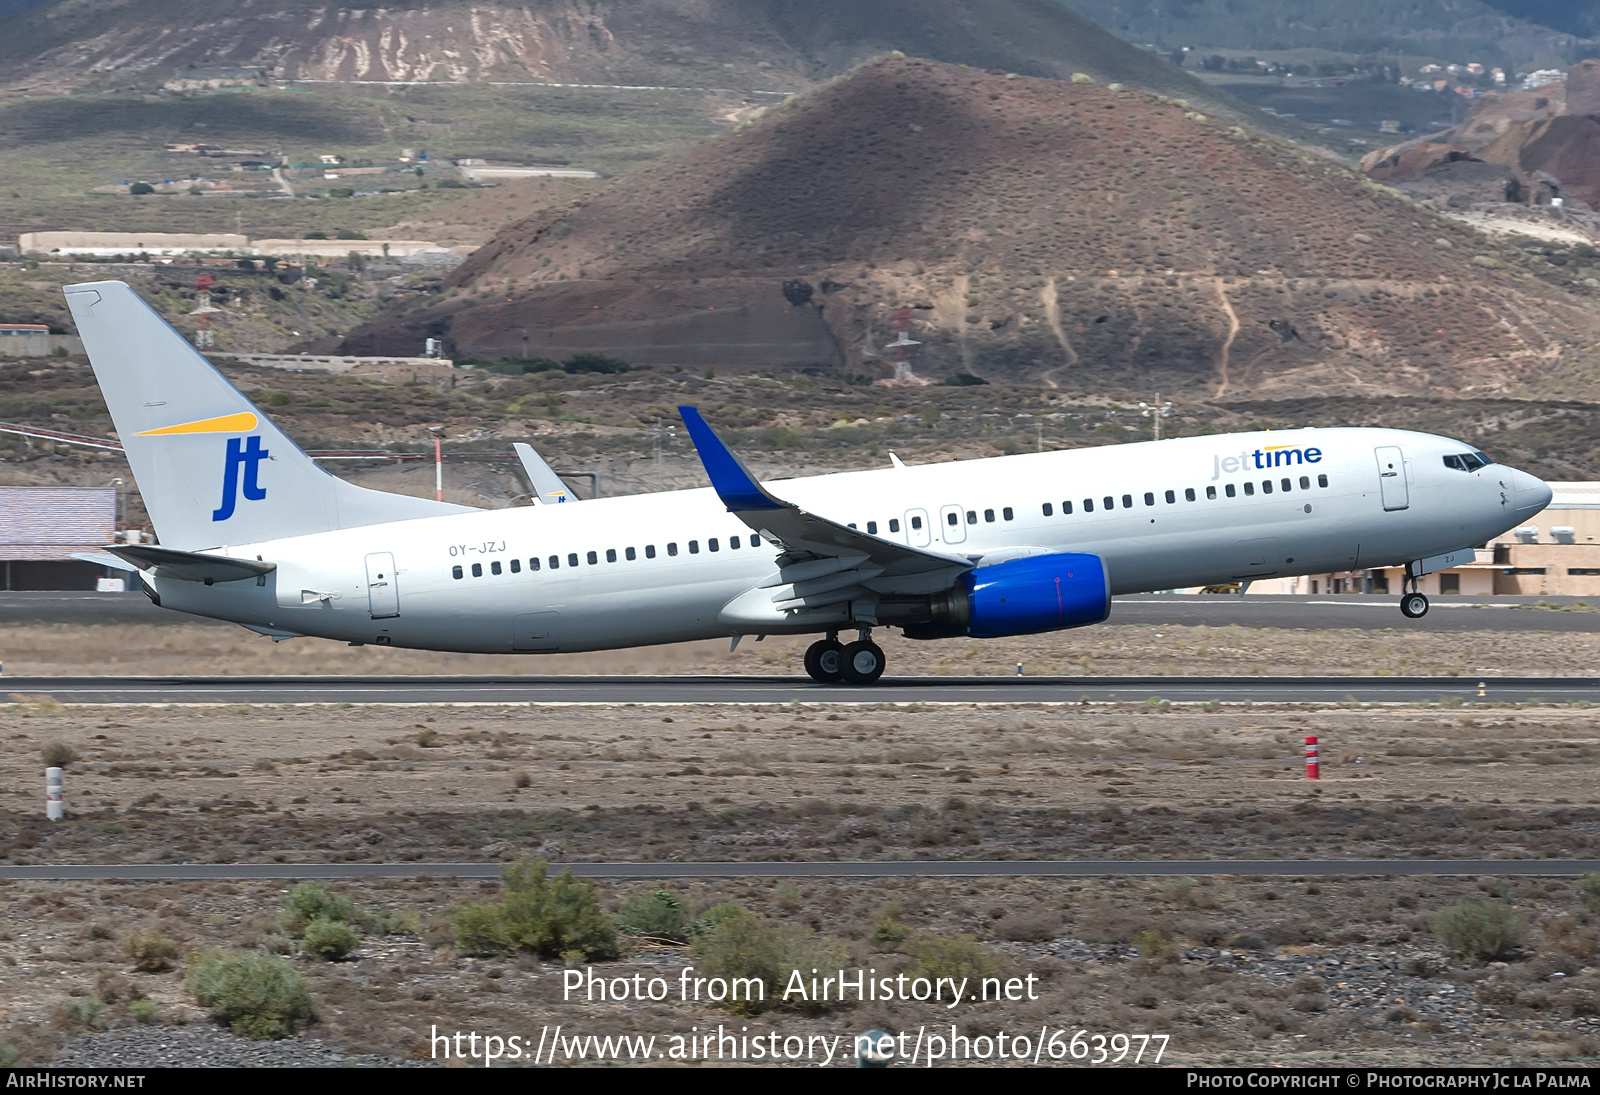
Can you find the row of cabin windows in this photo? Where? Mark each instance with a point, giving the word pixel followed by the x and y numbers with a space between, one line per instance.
pixel 593 557
pixel 1109 502
pixel 951 519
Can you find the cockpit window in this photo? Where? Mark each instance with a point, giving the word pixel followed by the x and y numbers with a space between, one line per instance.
pixel 1467 461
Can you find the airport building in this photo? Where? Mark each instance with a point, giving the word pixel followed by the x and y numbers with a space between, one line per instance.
pixel 41 528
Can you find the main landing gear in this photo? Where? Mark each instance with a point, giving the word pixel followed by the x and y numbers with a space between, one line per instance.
pixel 828 661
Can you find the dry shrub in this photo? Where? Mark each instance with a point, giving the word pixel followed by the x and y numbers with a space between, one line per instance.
pixel 257 995
pixel 656 915
pixel 535 913
pixel 731 942
pixel 151 951
pixel 58 754
pixel 933 955
pixel 329 940
pixel 1479 930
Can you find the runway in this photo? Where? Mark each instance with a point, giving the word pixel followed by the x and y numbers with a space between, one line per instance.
pixel 780 690
pixel 1353 611
pixel 932 868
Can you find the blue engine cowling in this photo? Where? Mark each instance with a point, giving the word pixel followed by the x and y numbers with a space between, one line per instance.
pixel 1023 596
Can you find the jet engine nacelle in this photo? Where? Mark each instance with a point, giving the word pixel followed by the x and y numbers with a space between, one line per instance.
pixel 1021 597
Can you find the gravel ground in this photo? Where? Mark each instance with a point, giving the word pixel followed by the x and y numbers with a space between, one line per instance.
pixel 207 1047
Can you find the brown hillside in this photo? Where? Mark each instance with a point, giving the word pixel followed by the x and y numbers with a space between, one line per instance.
pixel 1039 230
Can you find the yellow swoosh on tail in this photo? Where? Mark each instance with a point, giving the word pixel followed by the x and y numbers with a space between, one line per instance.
pixel 243 422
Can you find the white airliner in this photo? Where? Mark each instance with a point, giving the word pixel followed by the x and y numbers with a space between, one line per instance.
pixel 251 530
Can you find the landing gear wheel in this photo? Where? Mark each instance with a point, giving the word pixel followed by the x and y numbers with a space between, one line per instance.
pixel 1414 606
pixel 825 661
pixel 863 662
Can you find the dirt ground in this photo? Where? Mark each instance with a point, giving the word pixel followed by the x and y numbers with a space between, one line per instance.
pixel 1272 971
pixel 1109 650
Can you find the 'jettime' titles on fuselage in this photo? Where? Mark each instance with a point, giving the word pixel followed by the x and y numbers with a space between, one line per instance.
pixel 1270 456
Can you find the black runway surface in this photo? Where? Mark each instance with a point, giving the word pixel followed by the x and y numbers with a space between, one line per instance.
pixel 771 689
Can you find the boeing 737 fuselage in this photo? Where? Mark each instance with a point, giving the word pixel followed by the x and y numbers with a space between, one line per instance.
pixel 252 531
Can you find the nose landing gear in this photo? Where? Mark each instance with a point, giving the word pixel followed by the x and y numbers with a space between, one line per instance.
pixel 1413 605
pixel 861 662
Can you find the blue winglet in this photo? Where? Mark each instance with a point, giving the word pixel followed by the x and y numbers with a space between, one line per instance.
pixel 734 484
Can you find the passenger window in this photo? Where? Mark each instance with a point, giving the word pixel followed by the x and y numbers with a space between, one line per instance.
pixel 1066 508
pixel 755 539
pixel 533 564
pixel 952 519
pixel 630 554
pixel 872 530
pixel 694 547
pixel 611 555
pixel 572 558
pixel 972 517
pixel 494 567
pixel 1322 480
pixel 455 572
pixel 672 549
pixel 1228 490
pixel 1006 513
pixel 1049 510
pixel 1305 482
pixel 1172 498
pixel 1287 485
pixel 714 546
pixel 734 544
pixel 593 558
pixel 852 525
pixel 555 562
pixel 1266 486
pixel 1127 501
pixel 1088 505
pixel 1150 499
pixel 1211 492
pixel 1249 488
pixel 649 551
pixel 916 522
pixel 894 524
pixel 1188 494
pixel 516 566
pixel 477 570
pixel 1110 502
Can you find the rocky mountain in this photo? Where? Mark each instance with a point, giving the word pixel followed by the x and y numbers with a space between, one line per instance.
pixel 764 45
pixel 1038 230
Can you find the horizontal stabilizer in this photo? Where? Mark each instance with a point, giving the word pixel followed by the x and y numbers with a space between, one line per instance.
pixel 102 559
pixel 189 566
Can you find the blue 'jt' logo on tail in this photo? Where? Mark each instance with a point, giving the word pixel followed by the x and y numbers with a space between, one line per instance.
pixel 250 455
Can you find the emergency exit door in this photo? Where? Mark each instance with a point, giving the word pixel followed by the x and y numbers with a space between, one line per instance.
pixel 383 594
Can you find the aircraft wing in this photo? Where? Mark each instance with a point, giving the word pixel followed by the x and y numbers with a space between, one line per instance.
pixel 823 562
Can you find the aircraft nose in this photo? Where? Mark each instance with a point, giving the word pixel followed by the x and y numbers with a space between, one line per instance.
pixel 1530 494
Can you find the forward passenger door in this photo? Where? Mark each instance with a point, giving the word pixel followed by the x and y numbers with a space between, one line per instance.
pixel 1392 477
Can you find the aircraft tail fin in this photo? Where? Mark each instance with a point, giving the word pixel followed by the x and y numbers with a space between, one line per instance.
pixel 213 470
pixel 548 489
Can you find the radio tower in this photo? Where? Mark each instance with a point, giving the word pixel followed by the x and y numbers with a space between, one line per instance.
pixel 203 339
pixel 902 348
